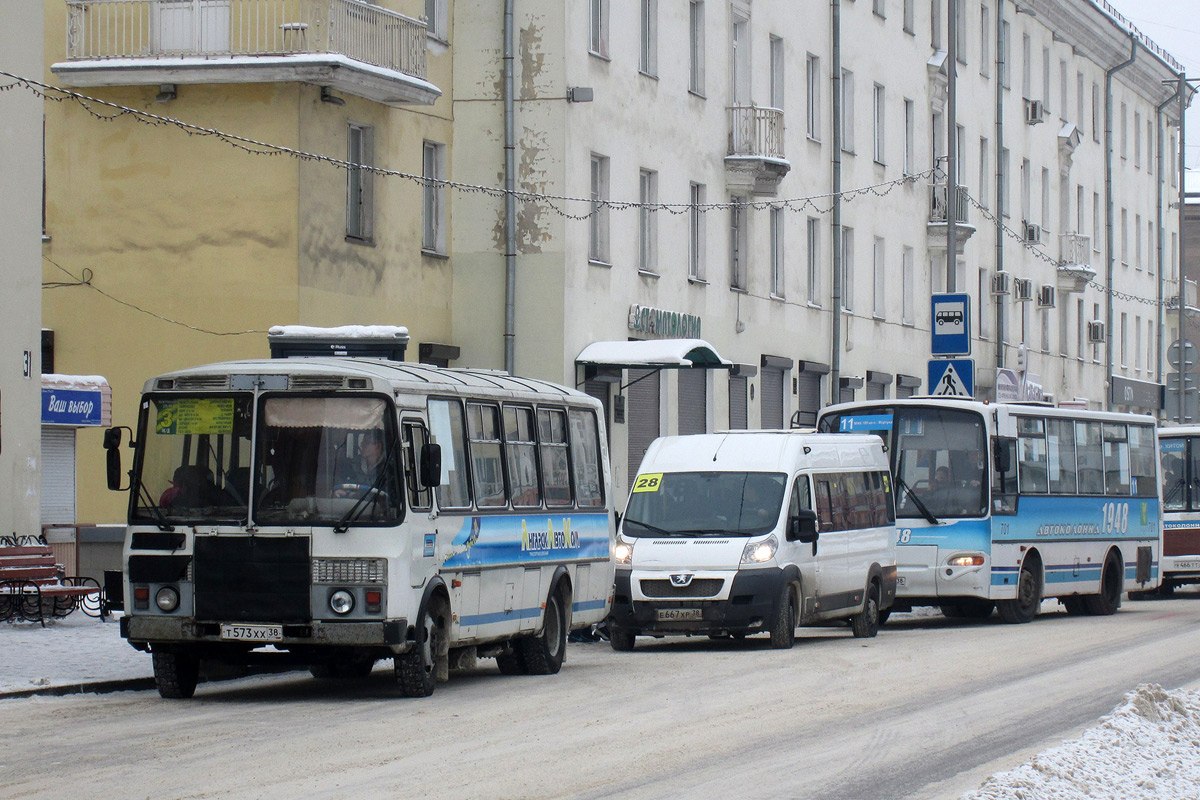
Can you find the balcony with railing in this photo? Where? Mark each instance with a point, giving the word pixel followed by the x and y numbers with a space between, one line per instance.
pixel 939 215
pixel 1074 262
pixel 348 45
pixel 754 160
pixel 1191 296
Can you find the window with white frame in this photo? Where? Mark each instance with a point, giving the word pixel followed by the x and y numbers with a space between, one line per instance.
pixel 985 41
pixel 1095 112
pixel 776 48
pixel 360 183
pixel 1002 182
pixel 1124 133
pixel 960 147
pixel 647 221
pixel 1046 78
pixel 910 114
pixel 880 108
pixel 598 219
pixel 1079 99
pixel 1151 246
pixel 847 245
pixel 847 120
pixel 813 89
pixel 1137 343
pixel 1124 340
pixel 1006 54
pixel 648 55
pixel 813 275
pixel 878 284
pixel 910 16
pixel 935 23
pixel 1080 207
pixel 1137 241
pixel 1026 66
pixel 1045 217
pixel 1096 229
pixel 879 8
pixel 1125 237
pixel 1137 140
pixel 985 289
pixel 985 182
pixel 1045 325
pixel 598 27
pixel 437 19
pixel 696 46
pixel 1080 326
pixel 433 170
pixel 1025 188
pixel 908 289
pixel 1064 88
pixel 1096 347
pixel 777 258
pixel 960 30
pixel 696 243
pixel 739 242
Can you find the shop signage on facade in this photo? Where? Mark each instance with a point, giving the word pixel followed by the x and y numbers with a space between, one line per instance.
pixel 72 407
pixel 651 321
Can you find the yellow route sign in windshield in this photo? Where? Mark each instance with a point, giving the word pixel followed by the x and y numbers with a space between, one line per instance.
pixel 194 415
pixel 649 482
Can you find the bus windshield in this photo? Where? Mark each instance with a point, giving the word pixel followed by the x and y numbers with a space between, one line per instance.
pixel 705 504
pixel 317 460
pixel 939 457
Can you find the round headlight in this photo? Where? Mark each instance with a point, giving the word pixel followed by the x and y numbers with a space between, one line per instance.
pixel 167 598
pixel 341 601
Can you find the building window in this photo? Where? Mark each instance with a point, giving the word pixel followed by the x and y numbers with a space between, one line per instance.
pixel 1124 237
pixel 1096 229
pixel 1095 112
pixel 909 136
pixel 847 245
pixel 985 41
pixel 909 16
pixel 360 206
pixel 960 31
pixel 433 170
pixel 1026 66
pixel 847 120
pixel 1064 89
pixel 777 272
pixel 1137 241
pixel 739 241
pixel 877 279
pixel 1005 54
pixel 1046 78
pixel 598 221
pixel 1137 140
pixel 1079 99
pixel 878 118
pixel 907 287
pixel 648 222
pixel 696 47
pixel 1002 181
pixel 879 8
pixel 739 58
pixel 437 19
pixel 814 260
pixel 696 244
pixel 598 28
pixel 776 72
pixel 1045 218
pixel 813 87
pixel 935 23
pixel 984 174
pixel 985 291
pixel 1124 137
pixel 648 58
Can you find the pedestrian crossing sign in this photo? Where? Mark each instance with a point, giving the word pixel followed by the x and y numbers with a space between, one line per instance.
pixel 952 377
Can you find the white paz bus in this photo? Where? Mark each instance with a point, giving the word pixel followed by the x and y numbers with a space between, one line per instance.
pixel 335 511
pixel 1001 505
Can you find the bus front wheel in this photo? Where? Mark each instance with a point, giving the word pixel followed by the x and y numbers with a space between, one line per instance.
pixel 417 670
pixel 1029 597
pixel 176 674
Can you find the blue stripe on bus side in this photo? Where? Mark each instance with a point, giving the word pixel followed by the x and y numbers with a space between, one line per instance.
pixel 523 613
pixel 1067 573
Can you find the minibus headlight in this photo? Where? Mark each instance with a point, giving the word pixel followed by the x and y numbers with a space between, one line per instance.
pixel 167 599
pixel 972 560
pixel 760 552
pixel 623 552
pixel 341 601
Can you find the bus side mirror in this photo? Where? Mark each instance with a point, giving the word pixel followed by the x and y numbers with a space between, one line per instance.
pixel 1002 454
pixel 112 463
pixel 802 526
pixel 431 465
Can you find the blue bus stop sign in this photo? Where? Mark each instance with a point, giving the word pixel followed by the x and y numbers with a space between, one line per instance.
pixel 950 324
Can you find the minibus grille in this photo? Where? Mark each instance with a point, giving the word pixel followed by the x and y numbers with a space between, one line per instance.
pixel 252 578
pixel 699 587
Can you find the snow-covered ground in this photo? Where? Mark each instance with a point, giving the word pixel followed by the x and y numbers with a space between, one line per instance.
pixel 1146 748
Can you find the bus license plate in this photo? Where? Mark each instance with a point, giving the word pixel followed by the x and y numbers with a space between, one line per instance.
pixel 252 633
pixel 1187 564
pixel 679 614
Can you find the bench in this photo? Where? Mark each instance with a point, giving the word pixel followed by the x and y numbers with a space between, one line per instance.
pixel 33 587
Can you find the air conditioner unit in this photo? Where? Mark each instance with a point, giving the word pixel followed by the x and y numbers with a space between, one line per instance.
pixel 1035 112
pixel 1033 233
pixel 1022 289
pixel 1001 283
pixel 1096 332
pixel 1045 297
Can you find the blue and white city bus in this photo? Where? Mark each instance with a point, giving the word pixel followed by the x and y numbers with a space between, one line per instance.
pixel 1180 451
pixel 1001 505
pixel 336 511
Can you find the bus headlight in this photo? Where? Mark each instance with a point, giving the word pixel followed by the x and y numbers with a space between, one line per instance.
pixel 623 552
pixel 167 599
pixel 341 602
pixel 973 560
pixel 760 552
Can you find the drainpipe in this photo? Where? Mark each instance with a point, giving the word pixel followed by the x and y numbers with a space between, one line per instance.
pixel 510 200
pixel 1160 220
pixel 1108 219
pixel 952 147
pixel 1184 101
pixel 1001 178
pixel 835 357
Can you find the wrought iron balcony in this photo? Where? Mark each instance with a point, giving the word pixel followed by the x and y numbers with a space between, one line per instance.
pixel 939 216
pixel 754 161
pixel 1191 296
pixel 349 45
pixel 1075 262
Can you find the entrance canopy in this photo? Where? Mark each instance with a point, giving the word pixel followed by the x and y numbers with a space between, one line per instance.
pixel 655 353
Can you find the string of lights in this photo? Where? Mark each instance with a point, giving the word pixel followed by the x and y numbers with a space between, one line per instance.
pixel 818 203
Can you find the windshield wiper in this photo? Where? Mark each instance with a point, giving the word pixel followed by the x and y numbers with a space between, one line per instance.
pixel 1176 489
pixel 160 518
pixel 917 502
pixel 374 492
pixel 650 527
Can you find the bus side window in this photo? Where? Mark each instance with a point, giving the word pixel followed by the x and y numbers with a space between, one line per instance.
pixel 414 440
pixel 552 444
pixel 521 452
pixel 446 427
pixel 487 470
pixel 585 459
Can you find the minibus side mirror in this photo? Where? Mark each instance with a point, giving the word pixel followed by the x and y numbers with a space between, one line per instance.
pixel 1002 454
pixel 802 526
pixel 112 462
pixel 431 465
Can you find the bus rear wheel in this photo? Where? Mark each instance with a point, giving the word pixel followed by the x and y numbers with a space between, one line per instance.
pixel 1029 597
pixel 1109 598
pixel 544 654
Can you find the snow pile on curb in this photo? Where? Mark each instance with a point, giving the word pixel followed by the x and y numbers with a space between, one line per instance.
pixel 1145 748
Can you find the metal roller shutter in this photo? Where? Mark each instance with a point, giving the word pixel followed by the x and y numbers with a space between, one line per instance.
pixel 643 415
pixel 738 411
pixel 58 475
pixel 846 395
pixel 693 401
pixel 772 398
pixel 876 391
pixel 905 391
pixel 808 393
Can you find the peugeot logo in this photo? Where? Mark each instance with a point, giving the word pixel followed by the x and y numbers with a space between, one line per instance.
pixel 683 579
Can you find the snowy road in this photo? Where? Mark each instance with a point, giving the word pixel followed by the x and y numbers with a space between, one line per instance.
pixel 927 710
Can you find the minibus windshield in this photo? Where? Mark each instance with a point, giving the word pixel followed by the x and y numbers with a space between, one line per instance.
pixel 690 504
